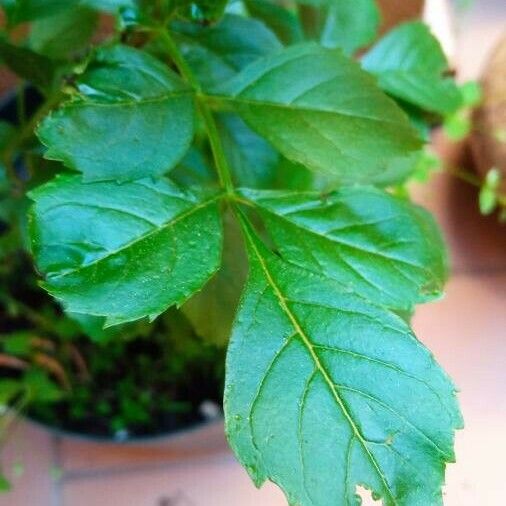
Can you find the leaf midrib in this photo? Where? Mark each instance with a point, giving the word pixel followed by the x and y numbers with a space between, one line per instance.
pixel 87 100
pixel 319 366
pixel 294 107
pixel 142 237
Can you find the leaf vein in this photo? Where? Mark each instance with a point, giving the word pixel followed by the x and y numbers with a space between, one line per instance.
pixel 320 367
pixel 399 415
pixel 142 237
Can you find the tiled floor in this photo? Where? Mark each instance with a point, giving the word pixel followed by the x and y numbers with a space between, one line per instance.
pixel 466 331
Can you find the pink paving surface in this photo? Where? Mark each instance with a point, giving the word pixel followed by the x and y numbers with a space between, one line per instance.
pixel 466 331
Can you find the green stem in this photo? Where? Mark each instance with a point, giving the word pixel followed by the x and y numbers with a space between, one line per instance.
pixel 178 59
pixel 473 180
pixel 467 177
pixel 217 149
pixel 220 159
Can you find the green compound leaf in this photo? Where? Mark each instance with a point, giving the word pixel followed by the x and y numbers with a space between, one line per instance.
pixel 410 65
pixel 381 247
pixel 320 109
pixel 219 52
pixel 132 118
pixel 325 392
pixel 351 25
pixel 123 251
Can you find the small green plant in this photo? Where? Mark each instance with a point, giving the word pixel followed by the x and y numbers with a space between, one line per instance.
pixel 208 142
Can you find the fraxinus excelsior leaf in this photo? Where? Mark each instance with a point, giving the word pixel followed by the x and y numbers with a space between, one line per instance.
pixel 123 251
pixel 327 387
pixel 382 247
pixel 131 118
pixel 410 65
pixel 326 391
pixel 320 109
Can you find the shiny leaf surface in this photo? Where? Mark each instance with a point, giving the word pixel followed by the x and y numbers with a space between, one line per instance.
pixel 321 110
pixel 326 392
pixel 123 251
pixel 381 247
pixel 131 118
pixel 410 65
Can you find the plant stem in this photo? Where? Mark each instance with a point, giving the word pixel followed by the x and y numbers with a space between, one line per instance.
pixel 220 159
pixel 473 180
pixel 178 59
pixel 217 149
pixel 467 177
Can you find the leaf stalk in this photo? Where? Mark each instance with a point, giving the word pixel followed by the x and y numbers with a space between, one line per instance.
pixel 220 159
